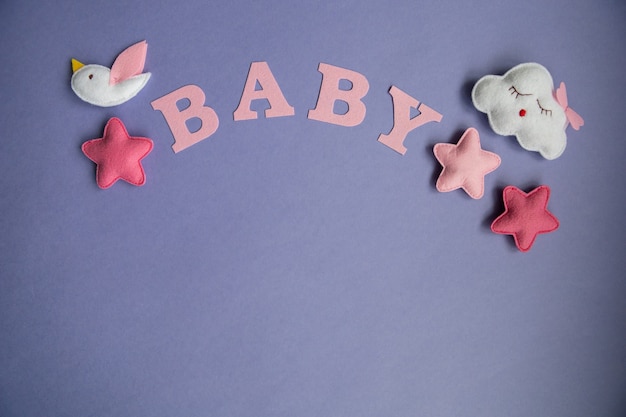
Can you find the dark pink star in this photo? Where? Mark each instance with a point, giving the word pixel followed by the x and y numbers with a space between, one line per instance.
pixel 525 216
pixel 117 155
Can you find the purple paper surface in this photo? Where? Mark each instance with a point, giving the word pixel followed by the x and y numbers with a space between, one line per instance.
pixel 289 267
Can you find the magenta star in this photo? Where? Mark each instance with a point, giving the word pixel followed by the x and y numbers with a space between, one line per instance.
pixel 117 155
pixel 525 216
pixel 465 164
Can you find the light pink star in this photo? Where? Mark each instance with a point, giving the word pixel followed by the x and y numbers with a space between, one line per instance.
pixel 117 155
pixel 465 164
pixel 525 216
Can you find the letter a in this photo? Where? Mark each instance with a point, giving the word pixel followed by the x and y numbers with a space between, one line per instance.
pixel 260 72
pixel 330 92
pixel 402 122
pixel 176 119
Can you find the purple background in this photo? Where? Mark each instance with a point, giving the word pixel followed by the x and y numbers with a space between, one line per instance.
pixel 288 267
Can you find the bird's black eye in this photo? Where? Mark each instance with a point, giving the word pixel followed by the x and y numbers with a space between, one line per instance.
pixel 90 76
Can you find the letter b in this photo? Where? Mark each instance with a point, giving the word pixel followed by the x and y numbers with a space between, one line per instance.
pixel 176 119
pixel 330 92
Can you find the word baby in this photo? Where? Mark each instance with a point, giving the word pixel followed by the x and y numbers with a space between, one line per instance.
pixel 330 92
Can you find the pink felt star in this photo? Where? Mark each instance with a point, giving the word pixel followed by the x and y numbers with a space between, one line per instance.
pixel 525 216
pixel 465 164
pixel 117 155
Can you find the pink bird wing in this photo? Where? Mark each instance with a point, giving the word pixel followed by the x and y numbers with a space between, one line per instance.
pixel 129 62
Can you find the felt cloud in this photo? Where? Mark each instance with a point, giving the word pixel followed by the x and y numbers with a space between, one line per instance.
pixel 522 102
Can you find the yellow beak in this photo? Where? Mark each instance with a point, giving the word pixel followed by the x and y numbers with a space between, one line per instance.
pixel 76 65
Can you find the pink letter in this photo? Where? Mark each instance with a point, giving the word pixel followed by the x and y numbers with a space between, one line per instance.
pixel 176 119
pixel 330 92
pixel 402 122
pixel 260 71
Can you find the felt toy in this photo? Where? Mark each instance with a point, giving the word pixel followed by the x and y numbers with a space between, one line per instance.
pixel 117 155
pixel 465 164
pixel 104 87
pixel 525 216
pixel 523 103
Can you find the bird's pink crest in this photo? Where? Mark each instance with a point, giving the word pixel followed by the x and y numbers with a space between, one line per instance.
pixel 129 62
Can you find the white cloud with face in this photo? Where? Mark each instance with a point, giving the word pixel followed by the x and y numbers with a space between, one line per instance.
pixel 522 103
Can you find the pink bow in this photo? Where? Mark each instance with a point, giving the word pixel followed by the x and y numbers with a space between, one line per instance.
pixel 572 117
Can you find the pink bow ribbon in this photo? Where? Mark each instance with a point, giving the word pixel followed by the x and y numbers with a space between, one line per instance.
pixel 573 118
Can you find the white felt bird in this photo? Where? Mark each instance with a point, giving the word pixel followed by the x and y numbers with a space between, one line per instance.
pixel 104 87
